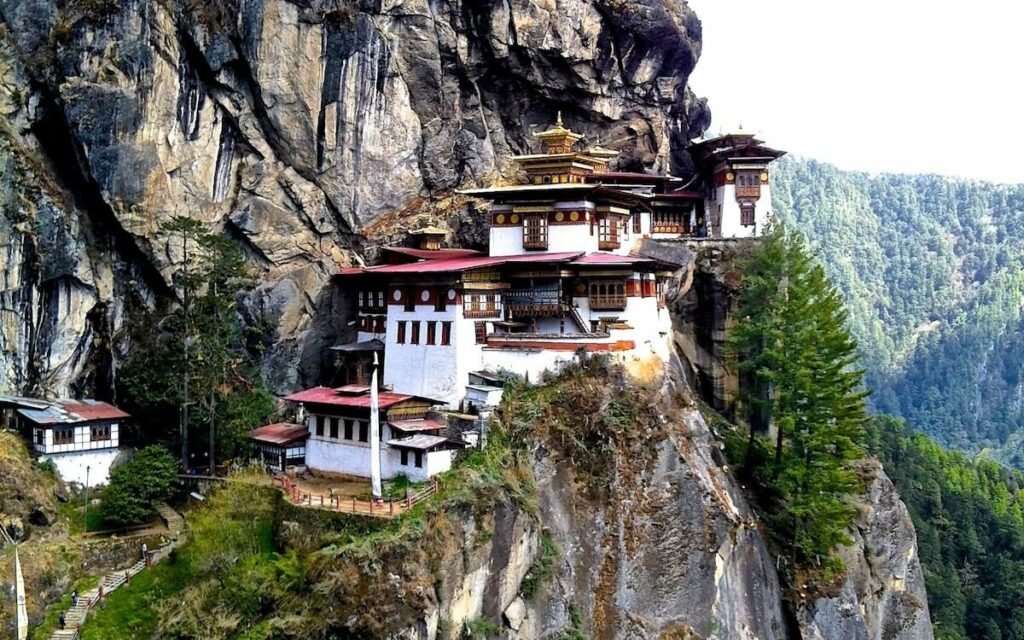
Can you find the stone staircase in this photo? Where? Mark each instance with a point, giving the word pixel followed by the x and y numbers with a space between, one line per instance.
pixel 175 523
pixel 75 616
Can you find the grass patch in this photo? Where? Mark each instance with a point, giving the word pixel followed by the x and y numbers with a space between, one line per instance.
pixel 79 521
pixel 481 628
pixel 53 611
pixel 131 611
pixel 542 568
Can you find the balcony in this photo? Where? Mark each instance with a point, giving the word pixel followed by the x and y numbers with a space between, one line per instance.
pixel 607 302
pixel 534 302
pixel 748 191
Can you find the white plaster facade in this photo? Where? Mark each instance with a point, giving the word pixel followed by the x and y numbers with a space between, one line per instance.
pixel 92 467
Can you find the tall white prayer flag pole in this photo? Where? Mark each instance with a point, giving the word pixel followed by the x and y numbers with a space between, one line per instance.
pixel 19 586
pixel 374 434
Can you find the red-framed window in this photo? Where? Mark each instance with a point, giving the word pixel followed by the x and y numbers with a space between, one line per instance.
pixel 446 333
pixel 400 335
pixel 431 332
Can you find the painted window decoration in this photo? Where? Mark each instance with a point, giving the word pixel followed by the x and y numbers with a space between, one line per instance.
pixel 481 305
pixel 371 300
pixel 480 331
pixel 99 432
pixel 535 232
pixel 671 222
pixel 607 294
pixel 747 214
pixel 64 436
pixel 608 232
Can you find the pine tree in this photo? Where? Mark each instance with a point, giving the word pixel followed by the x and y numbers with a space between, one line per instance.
pixel 800 365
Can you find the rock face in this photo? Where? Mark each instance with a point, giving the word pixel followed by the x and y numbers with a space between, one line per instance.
pixel 291 126
pixel 883 595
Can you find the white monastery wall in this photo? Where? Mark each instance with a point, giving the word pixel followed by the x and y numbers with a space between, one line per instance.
pixel 72 466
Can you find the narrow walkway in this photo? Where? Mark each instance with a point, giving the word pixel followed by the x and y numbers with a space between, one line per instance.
pixel 75 616
pixel 303 495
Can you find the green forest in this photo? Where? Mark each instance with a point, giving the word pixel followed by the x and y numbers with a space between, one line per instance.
pixel 932 270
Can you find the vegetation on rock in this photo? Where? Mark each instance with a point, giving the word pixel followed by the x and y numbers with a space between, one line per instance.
pixel 135 485
pixel 201 339
pixel 969 517
pixel 791 343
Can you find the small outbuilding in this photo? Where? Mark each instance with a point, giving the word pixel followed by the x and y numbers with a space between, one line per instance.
pixel 280 446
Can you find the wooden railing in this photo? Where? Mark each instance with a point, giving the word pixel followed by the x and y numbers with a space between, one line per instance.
pixel 382 508
pixel 613 302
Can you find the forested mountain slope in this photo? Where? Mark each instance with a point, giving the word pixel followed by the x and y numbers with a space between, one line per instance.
pixel 933 272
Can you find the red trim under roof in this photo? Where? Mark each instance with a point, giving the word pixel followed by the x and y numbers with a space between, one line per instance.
pixel 329 396
pixel 631 175
pixel 280 433
pixel 464 264
pixel 431 254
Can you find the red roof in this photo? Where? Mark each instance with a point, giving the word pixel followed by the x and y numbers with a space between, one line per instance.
pixel 432 254
pixel 94 410
pixel 326 395
pixel 73 411
pixel 474 262
pixel 609 258
pixel 632 175
pixel 280 433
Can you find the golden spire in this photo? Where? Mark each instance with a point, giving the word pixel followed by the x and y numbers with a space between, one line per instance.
pixel 558 139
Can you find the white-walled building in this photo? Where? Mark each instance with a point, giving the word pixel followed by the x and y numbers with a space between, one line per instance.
pixel 338 424
pixel 81 437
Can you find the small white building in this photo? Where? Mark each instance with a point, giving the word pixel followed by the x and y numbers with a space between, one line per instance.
pixel 81 437
pixel 338 425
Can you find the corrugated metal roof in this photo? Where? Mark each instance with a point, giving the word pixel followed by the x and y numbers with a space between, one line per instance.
pixel 608 258
pixel 72 412
pixel 416 425
pixel 280 433
pixel 455 265
pixel 334 397
pixel 420 441
pixel 432 254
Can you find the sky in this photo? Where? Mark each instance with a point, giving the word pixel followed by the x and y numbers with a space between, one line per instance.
pixel 910 86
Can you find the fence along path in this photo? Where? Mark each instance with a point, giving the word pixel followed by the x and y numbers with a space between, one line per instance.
pixel 389 508
pixel 75 616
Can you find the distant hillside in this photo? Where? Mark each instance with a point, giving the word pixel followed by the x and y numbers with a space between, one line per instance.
pixel 933 272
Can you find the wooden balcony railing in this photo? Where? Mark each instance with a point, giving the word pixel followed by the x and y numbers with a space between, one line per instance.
pixel 748 192
pixel 608 302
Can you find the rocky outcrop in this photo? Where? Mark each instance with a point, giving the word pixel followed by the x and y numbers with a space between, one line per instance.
pixel 883 594
pixel 291 126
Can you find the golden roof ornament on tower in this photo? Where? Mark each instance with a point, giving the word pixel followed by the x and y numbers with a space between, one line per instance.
pixel 558 139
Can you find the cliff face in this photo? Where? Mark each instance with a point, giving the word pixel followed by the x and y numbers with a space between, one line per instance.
pixel 291 125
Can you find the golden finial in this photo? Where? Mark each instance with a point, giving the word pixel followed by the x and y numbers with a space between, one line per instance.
pixel 558 120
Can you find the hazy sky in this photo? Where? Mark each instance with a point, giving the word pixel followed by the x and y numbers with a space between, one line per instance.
pixel 879 85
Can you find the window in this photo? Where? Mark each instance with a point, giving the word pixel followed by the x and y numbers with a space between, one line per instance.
pixel 671 221
pixel 99 432
pixel 400 336
pixel 320 426
pixel 364 431
pixel 415 332
pixel 419 459
pixel 608 232
pixel 607 294
pixel 480 329
pixel 535 232
pixel 431 332
pixel 405 457
pixel 636 222
pixel 334 427
pixel 446 333
pixel 63 436
pixel 348 429
pixel 40 437
pixel 410 299
pixel 441 299
pixel 378 324
pixel 747 214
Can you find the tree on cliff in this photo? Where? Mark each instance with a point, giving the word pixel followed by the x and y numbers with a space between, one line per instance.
pixel 792 344
pixel 135 485
pixel 199 361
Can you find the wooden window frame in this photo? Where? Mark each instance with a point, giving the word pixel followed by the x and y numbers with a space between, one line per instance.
pixel 480 332
pixel 431 332
pixel 606 295
pixel 400 334
pixel 348 429
pixel 608 232
pixel 332 428
pixel 64 435
pixel 748 216
pixel 535 232
pixel 414 338
pixel 364 431
pixel 418 461
pixel 99 432
pixel 404 453
pixel 446 333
